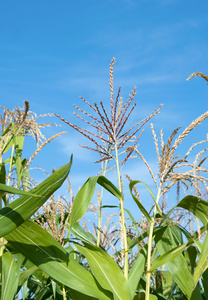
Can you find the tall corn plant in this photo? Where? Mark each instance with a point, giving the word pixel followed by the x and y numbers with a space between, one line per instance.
pixel 110 140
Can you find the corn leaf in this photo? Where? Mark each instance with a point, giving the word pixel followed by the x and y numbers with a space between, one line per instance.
pixel 18 146
pixel 106 271
pixel 202 264
pixel 82 235
pixel 137 270
pixel 11 190
pixel 197 206
pixel 178 268
pixel 167 257
pixel 44 251
pixel 141 207
pixel 85 194
pixel 21 209
pixel 10 276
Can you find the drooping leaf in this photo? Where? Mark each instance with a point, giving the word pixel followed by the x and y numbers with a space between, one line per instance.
pixel 132 220
pixel 21 209
pixel 106 271
pixel 139 204
pixel 197 206
pixel 44 251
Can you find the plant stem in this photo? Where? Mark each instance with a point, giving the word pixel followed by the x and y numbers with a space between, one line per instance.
pixel 64 292
pixel 100 208
pixel 122 217
pixel 150 243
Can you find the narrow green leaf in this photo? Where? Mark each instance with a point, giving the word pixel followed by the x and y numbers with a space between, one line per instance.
pixel 10 276
pixel 143 236
pixel 8 142
pixel 106 271
pixel 18 146
pixel 25 176
pixel 44 251
pixel 137 270
pixel 132 183
pixel 85 194
pixel 84 236
pixel 2 178
pixel 132 220
pixel 9 189
pixel 21 209
pixel 141 207
pixel 167 257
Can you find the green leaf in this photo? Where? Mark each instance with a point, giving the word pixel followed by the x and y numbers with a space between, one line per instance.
pixel 9 189
pixel 132 220
pixel 190 255
pixel 85 194
pixel 106 271
pixel 143 236
pixel 202 261
pixel 8 142
pixel 24 275
pixel 197 206
pixel 2 178
pixel 205 283
pixel 21 209
pixel 178 268
pixel 137 270
pixel 167 257
pixel 141 207
pixel 18 146
pixel 141 296
pixel 166 283
pixel 10 278
pixel 25 176
pixel 44 251
pixel 84 236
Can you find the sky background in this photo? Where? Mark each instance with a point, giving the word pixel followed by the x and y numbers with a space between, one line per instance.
pixel 53 52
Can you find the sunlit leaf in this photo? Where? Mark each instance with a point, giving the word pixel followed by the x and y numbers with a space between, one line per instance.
pixel 10 276
pixel 21 209
pixel 44 251
pixel 106 271
pixel 85 194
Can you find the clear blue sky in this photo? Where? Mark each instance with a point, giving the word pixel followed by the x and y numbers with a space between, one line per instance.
pixel 52 52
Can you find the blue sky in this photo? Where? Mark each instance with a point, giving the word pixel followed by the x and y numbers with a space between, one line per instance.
pixel 52 52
